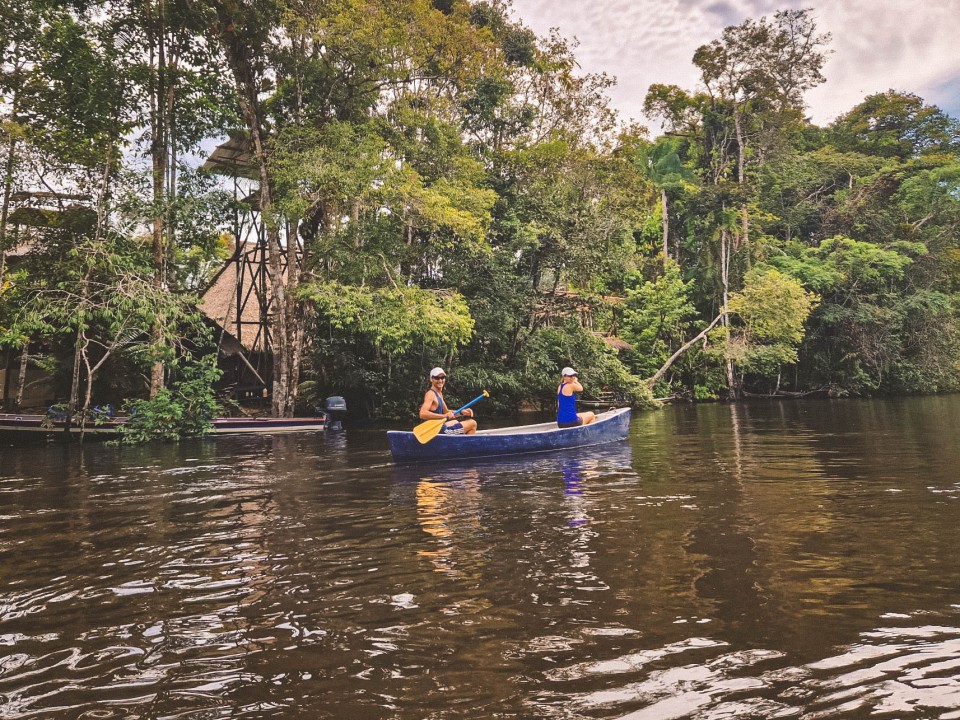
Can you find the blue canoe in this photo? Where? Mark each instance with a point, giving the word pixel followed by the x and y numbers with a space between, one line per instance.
pixel 609 427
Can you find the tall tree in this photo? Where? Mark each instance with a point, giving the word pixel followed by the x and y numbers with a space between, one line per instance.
pixel 662 165
pixel 896 125
pixel 754 77
pixel 244 33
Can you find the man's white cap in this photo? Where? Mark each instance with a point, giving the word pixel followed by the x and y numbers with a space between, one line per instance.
pixel 437 371
pixel 568 372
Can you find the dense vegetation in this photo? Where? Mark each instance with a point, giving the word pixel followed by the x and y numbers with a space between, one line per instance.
pixel 464 197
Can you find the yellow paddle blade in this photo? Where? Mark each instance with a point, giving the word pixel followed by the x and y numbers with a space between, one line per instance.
pixel 428 430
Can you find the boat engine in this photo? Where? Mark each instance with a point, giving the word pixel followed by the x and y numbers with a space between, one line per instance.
pixel 334 412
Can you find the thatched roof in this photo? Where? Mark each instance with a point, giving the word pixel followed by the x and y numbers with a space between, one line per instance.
pixel 33 210
pixel 573 296
pixel 219 303
pixel 76 217
pixel 233 157
pixel 21 249
pixel 25 195
pixel 613 341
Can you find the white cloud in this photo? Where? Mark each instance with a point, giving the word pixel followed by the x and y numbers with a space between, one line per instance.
pixel 907 45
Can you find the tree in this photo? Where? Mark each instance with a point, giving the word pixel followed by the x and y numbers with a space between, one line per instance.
pixel 662 165
pixel 896 125
pixel 657 318
pixel 348 69
pixel 101 294
pixel 803 192
pixel 760 68
pixel 182 107
pixel 246 36
pixel 857 328
pixel 754 78
pixel 772 308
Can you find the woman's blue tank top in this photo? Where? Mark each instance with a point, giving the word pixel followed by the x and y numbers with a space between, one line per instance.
pixel 566 407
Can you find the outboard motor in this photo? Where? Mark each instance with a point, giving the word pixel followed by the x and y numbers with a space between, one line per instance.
pixel 334 411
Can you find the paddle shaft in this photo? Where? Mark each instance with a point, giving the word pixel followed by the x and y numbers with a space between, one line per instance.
pixel 477 399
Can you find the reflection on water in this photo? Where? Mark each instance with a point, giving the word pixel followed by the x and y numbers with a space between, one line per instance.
pixel 449 512
pixel 768 560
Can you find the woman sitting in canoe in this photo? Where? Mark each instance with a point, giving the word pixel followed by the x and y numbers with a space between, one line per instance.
pixel 567 415
pixel 434 408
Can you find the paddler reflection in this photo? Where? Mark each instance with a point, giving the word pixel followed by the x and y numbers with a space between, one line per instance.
pixel 577 471
pixel 449 513
pixel 572 471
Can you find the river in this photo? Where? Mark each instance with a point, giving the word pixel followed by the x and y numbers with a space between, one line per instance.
pixel 765 560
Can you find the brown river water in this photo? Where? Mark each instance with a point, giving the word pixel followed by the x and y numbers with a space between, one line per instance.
pixel 766 560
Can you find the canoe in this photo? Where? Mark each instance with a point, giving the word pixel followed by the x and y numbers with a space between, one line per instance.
pixel 14 427
pixel 544 437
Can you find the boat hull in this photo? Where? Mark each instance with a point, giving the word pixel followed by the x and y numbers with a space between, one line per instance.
pixel 233 426
pixel 27 428
pixel 546 437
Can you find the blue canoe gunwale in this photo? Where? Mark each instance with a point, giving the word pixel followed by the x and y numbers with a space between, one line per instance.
pixel 521 439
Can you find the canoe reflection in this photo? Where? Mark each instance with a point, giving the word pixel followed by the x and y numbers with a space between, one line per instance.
pixel 573 466
pixel 451 502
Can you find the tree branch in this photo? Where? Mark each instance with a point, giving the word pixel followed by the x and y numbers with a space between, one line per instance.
pixel 686 346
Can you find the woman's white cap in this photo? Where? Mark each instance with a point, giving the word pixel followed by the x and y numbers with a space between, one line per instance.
pixel 437 371
pixel 569 372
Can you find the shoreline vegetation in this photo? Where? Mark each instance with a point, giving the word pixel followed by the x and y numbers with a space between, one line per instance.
pixel 411 183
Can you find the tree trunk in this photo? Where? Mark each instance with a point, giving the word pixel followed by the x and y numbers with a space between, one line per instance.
pixel 297 318
pixel 280 325
pixel 248 85
pixel 725 253
pixel 74 382
pixel 8 179
pixel 741 180
pixel 158 153
pixel 686 346
pixel 741 150
pixel 298 335
pixel 22 375
pixel 665 222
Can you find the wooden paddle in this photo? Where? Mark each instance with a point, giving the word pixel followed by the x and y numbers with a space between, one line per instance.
pixel 429 429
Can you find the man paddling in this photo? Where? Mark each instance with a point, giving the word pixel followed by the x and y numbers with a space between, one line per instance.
pixel 567 415
pixel 434 408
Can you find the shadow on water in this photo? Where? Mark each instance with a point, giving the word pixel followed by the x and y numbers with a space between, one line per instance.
pixel 766 560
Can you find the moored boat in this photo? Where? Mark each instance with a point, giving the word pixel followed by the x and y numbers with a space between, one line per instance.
pixel 16 427
pixel 265 425
pixel 543 437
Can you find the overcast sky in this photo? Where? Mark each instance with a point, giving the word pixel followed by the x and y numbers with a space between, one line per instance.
pixel 907 45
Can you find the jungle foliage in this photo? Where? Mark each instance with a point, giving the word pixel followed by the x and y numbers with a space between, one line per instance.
pixel 463 197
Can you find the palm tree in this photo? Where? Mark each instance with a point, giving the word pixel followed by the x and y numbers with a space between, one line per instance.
pixel 662 166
